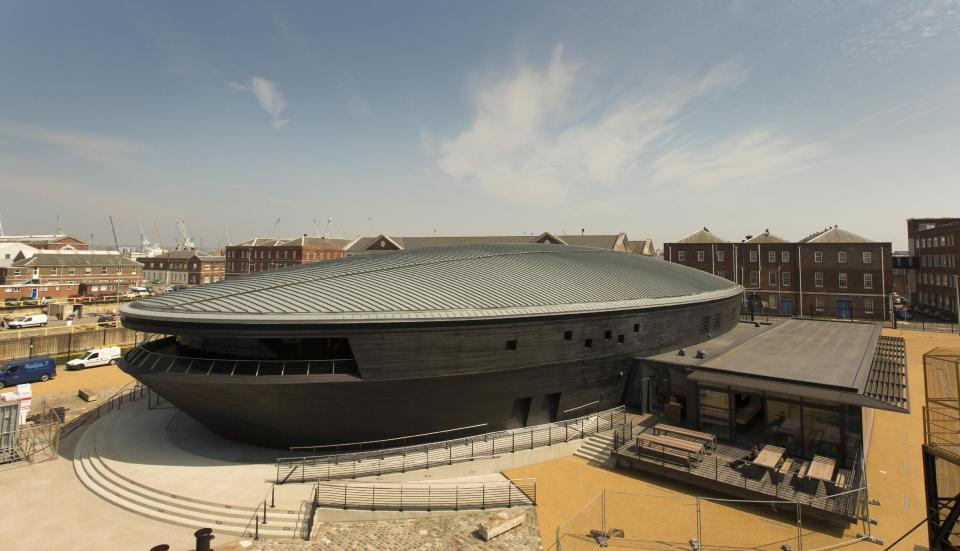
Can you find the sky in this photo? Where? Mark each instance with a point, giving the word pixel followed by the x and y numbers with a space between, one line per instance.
pixel 476 118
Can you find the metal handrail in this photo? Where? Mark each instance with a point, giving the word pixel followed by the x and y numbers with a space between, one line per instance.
pixel 380 443
pixel 142 355
pixel 447 452
pixel 132 391
pixel 426 496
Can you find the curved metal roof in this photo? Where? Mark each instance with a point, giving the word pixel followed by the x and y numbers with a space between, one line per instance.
pixel 464 282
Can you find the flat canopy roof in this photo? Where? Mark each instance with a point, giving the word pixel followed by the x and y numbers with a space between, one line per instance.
pixel 838 361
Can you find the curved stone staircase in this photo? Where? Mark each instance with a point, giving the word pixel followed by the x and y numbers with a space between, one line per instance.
pixel 97 476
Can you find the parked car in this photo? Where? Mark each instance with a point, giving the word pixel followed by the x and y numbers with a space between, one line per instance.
pixel 11 300
pixel 96 357
pixel 903 314
pixel 33 320
pixel 107 318
pixel 17 372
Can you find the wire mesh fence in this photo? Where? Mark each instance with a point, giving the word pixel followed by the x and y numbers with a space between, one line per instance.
pixel 631 520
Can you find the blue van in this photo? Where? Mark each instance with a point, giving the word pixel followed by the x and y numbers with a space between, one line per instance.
pixel 17 372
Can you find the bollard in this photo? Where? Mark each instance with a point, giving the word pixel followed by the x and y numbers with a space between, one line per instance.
pixel 203 535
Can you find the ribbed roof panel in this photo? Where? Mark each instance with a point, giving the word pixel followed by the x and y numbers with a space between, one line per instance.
pixel 475 281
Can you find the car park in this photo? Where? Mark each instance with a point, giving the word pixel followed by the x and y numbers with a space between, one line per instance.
pixel 33 320
pixel 16 372
pixel 96 357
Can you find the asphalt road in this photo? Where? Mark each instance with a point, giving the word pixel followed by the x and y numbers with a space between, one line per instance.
pixel 54 327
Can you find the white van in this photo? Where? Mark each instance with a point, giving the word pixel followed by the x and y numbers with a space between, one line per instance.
pixel 95 357
pixel 33 320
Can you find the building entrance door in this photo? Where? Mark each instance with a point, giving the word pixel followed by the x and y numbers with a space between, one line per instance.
pixel 844 309
pixel 786 307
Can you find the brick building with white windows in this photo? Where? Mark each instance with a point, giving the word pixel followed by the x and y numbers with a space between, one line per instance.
pixel 259 254
pixel 60 274
pixel 831 273
pixel 187 267
pixel 934 247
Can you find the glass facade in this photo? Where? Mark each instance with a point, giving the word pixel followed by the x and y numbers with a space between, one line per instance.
pixel 715 412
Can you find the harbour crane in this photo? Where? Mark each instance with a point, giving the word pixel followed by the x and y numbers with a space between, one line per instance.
pixel 276 225
pixel 326 231
pixel 226 237
pixel 156 230
pixel 1 226
pixel 185 243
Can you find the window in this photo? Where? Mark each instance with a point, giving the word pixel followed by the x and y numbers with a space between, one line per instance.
pixel 772 257
pixel 785 256
pixel 753 256
pixel 721 273
pixel 720 256
pixel 607 335
pixel 568 335
pixel 619 339
pixel 819 304
pixel 772 301
pixel 699 256
pixel 16 273
pixel 512 344
pixel 754 278
pixel 867 257
pixel 818 279
pixel 119 270
pixel 841 257
pixel 772 278
pixel 681 256
pixel 71 271
pixel 868 281
pixel 54 271
pixel 785 279
pixel 636 327
pixel 868 306
pixel 103 270
pixel 842 280
pixel 818 256
pixel 588 343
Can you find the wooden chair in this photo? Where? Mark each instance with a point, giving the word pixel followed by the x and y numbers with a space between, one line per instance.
pixel 841 481
pixel 802 475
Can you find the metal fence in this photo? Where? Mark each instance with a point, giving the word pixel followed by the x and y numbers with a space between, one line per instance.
pixel 426 496
pixel 130 393
pixel 385 460
pixel 917 323
pixel 148 356
pixel 633 520
pixel 62 347
pixel 37 440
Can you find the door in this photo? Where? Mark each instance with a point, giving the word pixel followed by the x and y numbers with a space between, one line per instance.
pixel 13 376
pixel 786 307
pixel 646 394
pixel 844 309
pixel 93 360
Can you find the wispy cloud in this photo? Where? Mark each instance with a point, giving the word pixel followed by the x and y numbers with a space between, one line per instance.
pixel 737 160
pixel 268 95
pixel 86 145
pixel 526 140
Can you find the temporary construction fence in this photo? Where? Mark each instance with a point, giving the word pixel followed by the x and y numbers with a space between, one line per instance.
pixel 35 441
pixel 631 520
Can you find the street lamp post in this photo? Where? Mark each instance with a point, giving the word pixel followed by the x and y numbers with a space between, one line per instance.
pixel 779 280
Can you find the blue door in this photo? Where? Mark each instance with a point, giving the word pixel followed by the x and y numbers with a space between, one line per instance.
pixel 34 293
pixel 844 309
pixel 786 307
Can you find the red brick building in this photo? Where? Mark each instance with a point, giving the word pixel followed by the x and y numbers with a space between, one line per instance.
pixel 831 273
pixel 65 273
pixel 935 245
pixel 188 267
pixel 257 255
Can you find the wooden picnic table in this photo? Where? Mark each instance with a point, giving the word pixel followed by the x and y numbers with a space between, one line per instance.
pixel 682 431
pixel 769 456
pixel 670 442
pixel 821 468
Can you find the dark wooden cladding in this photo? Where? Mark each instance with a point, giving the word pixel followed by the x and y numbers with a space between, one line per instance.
pixel 422 377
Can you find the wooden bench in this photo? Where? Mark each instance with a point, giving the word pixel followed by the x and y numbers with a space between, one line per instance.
pixel 841 481
pixel 679 455
pixel 802 472
pixel 670 429
pixel 672 447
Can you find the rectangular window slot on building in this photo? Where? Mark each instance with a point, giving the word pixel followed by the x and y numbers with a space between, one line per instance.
pixel 588 343
pixel 636 327
pixel 512 345
pixel 620 339
pixel 568 335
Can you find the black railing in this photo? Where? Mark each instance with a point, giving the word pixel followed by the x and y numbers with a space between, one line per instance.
pixel 848 501
pixel 147 356
pixel 377 462
pixel 422 496
pixel 130 393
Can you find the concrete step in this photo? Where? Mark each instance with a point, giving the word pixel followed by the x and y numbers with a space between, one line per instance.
pixel 165 508
pixel 596 448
